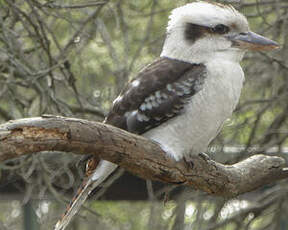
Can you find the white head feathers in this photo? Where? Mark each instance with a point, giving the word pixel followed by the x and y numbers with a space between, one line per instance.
pixel 206 14
pixel 208 46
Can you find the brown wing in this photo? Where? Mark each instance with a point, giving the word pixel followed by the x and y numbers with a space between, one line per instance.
pixel 158 93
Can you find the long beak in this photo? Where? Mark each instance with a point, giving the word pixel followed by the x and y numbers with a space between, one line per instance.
pixel 252 41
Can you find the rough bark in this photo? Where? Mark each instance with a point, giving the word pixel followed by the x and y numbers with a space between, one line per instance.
pixel 136 154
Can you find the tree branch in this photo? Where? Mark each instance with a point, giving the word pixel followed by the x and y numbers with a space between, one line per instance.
pixel 136 154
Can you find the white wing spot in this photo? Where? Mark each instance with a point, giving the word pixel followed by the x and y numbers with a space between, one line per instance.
pixel 154 103
pixel 169 87
pixel 135 83
pixel 158 94
pixel 149 105
pixel 142 117
pixel 152 98
pixel 143 107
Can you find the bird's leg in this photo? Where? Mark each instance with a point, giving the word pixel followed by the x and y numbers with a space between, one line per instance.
pixel 83 161
pixel 91 165
pixel 88 163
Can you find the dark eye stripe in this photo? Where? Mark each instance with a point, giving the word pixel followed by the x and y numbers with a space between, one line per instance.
pixel 193 32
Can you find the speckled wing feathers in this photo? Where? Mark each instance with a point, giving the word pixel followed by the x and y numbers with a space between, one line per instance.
pixel 158 93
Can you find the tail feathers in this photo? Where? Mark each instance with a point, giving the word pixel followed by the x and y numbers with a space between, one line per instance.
pixel 75 205
pixel 104 169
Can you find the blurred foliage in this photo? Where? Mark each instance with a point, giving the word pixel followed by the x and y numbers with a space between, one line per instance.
pixel 72 58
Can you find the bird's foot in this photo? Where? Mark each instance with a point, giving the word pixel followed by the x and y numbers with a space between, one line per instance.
pixel 189 160
pixel 204 156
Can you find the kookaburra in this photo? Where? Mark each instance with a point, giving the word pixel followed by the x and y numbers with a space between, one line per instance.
pixel 182 99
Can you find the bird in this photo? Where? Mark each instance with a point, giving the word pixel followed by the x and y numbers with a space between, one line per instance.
pixel 182 99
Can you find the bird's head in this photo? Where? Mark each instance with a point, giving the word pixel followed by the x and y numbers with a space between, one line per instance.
pixel 201 31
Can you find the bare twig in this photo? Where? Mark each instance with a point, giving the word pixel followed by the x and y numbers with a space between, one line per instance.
pixel 52 5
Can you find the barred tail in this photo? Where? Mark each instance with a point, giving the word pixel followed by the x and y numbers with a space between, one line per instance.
pixel 104 169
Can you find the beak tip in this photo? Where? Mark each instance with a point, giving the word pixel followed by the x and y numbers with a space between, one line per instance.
pixel 274 46
pixel 253 41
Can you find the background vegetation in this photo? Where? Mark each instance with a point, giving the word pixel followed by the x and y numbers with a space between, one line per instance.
pixel 72 58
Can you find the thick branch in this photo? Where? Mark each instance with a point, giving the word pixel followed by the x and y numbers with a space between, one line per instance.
pixel 136 154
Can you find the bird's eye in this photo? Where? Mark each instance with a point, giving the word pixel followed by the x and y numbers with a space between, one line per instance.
pixel 220 29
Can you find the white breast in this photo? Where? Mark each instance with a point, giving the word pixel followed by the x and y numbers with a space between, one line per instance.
pixel 191 132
